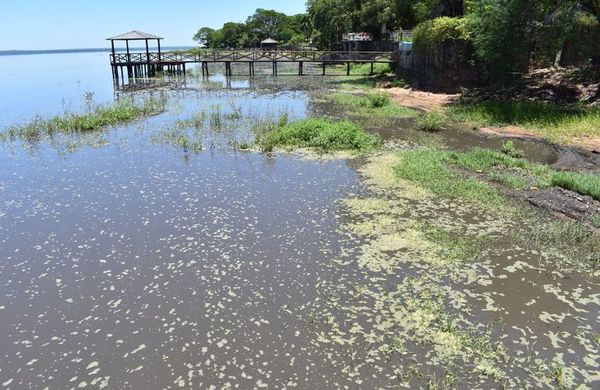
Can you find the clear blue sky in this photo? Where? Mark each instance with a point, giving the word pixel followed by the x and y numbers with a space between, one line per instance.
pixel 65 24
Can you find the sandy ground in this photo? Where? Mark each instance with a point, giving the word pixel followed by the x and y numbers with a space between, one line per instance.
pixel 426 101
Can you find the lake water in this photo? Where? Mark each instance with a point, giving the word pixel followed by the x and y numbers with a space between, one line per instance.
pixel 129 262
pixel 49 84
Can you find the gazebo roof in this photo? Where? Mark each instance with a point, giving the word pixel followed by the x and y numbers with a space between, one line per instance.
pixel 269 40
pixel 133 36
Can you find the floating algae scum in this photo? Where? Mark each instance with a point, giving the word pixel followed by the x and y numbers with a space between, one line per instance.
pixel 175 254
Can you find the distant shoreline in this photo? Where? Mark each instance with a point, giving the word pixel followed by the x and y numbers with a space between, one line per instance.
pixel 72 51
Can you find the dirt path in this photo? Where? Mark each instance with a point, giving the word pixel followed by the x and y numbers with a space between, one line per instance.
pixel 426 101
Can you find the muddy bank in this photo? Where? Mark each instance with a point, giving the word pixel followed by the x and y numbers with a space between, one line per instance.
pixel 588 147
pixel 583 155
pixel 564 202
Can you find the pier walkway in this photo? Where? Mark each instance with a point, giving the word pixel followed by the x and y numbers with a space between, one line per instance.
pixel 139 64
pixel 147 63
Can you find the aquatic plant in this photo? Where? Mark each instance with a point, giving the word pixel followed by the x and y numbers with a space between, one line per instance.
pixel 99 116
pixel 197 120
pixel 179 138
pixel 321 134
pixel 509 149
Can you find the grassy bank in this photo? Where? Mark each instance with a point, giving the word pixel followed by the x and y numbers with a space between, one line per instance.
pixel 482 176
pixel 320 134
pixel 94 118
pixel 371 104
pixel 452 174
pixel 552 122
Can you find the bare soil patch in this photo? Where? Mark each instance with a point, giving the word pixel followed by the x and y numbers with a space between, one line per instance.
pixel 426 101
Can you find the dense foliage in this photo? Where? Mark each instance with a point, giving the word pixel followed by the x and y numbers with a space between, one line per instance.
pixel 508 36
pixel 331 18
pixel 432 33
pixel 288 30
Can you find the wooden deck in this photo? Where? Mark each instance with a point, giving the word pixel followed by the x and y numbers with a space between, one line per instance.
pixel 144 64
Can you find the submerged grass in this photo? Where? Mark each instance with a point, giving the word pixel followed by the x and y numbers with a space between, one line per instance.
pixel 555 123
pixel 318 133
pixel 180 138
pixel 568 235
pixel 95 117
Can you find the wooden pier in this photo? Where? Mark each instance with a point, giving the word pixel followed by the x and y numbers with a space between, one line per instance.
pixel 148 64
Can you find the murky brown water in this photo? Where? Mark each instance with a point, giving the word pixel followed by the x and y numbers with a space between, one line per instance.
pixel 138 265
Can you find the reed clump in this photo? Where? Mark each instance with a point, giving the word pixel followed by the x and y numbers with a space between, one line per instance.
pixel 95 117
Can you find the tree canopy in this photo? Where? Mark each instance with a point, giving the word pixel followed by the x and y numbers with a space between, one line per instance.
pixel 292 30
pixel 506 35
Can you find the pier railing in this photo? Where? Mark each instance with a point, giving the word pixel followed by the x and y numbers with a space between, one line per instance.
pixel 253 56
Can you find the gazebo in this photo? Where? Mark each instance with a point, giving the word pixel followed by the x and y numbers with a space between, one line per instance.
pixel 135 36
pixel 269 44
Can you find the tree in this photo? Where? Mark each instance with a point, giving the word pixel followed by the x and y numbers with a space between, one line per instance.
pixel 329 19
pixel 259 26
pixel 265 24
pixel 499 30
pixel 204 36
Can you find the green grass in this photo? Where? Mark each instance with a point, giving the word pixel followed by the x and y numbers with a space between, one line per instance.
pixel 321 134
pixel 368 82
pixel 431 169
pixel 96 117
pixel 372 104
pixel 430 121
pixel 582 183
pixel 516 171
pixel 446 174
pixel 365 69
pixel 553 122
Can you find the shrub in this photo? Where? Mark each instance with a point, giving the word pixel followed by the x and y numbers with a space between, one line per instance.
pixel 432 33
